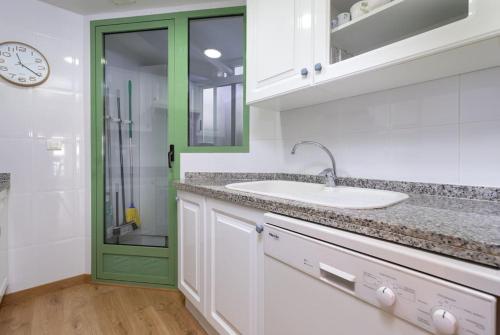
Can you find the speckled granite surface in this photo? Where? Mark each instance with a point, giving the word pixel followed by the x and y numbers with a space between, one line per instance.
pixel 458 221
pixel 4 181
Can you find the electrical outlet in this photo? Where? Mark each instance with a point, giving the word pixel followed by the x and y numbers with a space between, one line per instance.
pixel 54 144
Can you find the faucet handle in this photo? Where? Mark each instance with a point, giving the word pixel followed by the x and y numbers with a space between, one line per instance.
pixel 326 172
pixel 330 176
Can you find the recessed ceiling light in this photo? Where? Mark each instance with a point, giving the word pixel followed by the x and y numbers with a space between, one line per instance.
pixel 123 2
pixel 212 53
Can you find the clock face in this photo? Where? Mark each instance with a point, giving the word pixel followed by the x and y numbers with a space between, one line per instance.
pixel 22 65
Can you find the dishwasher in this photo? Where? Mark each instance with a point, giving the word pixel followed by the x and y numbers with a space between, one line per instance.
pixel 318 288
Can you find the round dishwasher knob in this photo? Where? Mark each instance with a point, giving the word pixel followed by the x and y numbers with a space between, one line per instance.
pixel 445 322
pixel 386 296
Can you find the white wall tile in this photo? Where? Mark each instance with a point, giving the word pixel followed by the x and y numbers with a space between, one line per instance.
pixel 42 264
pixel 61 259
pixel 45 211
pixel 56 216
pixel 263 157
pixel 480 153
pixel 264 124
pixel 17 159
pixel 427 104
pixel 296 124
pixel 56 113
pixel 368 112
pixel 23 268
pixel 22 229
pixel 365 154
pixel 17 111
pixel 428 154
pixel 54 170
pixel 480 96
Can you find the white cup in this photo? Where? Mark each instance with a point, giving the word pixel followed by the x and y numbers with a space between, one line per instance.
pixel 343 18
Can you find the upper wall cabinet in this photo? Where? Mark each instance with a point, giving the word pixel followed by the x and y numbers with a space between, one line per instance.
pixel 280 47
pixel 312 51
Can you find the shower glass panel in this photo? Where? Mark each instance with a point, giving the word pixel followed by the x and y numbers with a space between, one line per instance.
pixel 216 50
pixel 135 138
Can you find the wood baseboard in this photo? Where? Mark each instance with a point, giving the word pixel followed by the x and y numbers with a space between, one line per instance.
pixel 19 296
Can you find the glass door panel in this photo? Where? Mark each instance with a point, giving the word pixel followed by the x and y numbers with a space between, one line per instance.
pixel 361 26
pixel 135 116
pixel 216 57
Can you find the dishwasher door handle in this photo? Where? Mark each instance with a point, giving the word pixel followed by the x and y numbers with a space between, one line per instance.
pixel 336 277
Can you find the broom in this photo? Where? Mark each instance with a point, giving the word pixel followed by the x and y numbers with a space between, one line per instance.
pixel 109 192
pixel 132 213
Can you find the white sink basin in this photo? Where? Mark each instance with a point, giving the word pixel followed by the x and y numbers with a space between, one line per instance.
pixel 319 194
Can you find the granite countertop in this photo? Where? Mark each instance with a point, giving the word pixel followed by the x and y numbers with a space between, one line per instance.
pixel 4 181
pixel 457 221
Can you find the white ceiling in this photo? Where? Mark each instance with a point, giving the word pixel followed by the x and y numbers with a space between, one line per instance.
pixel 144 48
pixel 224 34
pixel 91 7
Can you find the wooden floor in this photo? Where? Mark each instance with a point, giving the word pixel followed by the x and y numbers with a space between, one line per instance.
pixel 100 309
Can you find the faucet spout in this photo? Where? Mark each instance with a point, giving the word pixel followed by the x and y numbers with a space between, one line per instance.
pixel 330 173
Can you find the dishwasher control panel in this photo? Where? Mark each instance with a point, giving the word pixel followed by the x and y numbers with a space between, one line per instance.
pixel 436 305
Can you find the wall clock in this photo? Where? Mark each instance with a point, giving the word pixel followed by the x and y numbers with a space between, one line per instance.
pixel 23 65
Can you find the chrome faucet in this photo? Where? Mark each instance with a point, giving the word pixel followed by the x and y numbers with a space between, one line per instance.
pixel 330 173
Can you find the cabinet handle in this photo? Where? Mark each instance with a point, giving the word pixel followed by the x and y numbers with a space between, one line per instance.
pixel 304 72
pixel 318 67
pixel 259 228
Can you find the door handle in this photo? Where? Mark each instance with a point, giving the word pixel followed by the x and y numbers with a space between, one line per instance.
pixel 171 155
pixel 337 278
pixel 304 72
pixel 259 228
pixel 318 67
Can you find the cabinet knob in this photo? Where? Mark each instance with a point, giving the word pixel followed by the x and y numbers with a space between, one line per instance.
pixel 259 228
pixel 318 67
pixel 304 72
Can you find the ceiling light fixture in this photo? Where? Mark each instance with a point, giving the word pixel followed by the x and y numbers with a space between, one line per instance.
pixel 123 2
pixel 212 53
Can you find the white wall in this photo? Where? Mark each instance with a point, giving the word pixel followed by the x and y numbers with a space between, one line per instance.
pixel 265 149
pixel 47 198
pixel 443 131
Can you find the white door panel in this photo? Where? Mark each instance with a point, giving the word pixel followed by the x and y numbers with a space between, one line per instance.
pixel 232 263
pixel 190 227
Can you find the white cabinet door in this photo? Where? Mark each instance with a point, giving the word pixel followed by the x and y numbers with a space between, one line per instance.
pixel 400 43
pixel 3 243
pixel 279 47
pixel 233 246
pixel 190 213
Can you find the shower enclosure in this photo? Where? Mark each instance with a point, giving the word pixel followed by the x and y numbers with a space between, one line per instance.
pixel 134 197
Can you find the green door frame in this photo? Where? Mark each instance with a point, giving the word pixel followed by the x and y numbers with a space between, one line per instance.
pixel 136 264
pixel 150 258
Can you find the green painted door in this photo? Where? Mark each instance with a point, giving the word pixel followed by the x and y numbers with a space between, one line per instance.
pixel 133 160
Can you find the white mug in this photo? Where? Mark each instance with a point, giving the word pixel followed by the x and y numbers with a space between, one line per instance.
pixel 343 18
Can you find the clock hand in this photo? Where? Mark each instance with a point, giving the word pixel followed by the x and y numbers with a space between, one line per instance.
pixel 30 70
pixel 20 63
